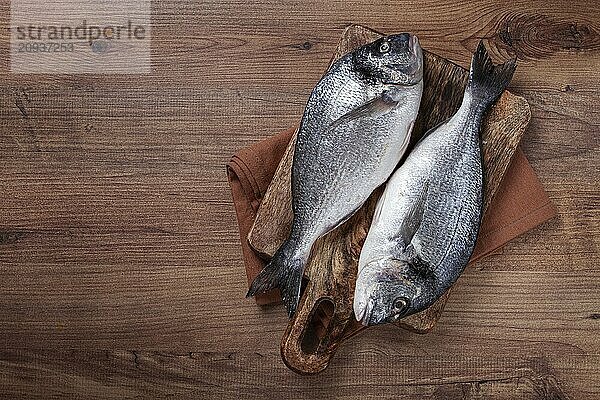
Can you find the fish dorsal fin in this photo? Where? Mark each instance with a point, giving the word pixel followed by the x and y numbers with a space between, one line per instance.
pixel 373 108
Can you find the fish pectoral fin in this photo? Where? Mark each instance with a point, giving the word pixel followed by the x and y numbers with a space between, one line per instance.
pixel 379 208
pixel 414 258
pixel 414 217
pixel 375 107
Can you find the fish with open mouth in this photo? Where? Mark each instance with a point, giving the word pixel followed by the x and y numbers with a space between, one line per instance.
pixel 354 131
pixel 426 223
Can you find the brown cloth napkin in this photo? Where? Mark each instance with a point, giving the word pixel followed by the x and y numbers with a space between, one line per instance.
pixel 520 204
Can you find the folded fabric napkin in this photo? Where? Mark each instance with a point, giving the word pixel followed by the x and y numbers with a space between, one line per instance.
pixel 520 204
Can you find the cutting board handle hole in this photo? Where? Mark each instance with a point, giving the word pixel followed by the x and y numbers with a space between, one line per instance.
pixel 316 329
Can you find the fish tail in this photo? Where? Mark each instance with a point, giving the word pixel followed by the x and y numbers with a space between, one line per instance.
pixel 284 271
pixel 486 81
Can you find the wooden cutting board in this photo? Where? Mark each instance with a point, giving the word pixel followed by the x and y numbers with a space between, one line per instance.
pixel 324 317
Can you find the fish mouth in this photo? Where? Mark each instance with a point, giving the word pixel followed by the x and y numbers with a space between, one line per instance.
pixel 413 43
pixel 416 68
pixel 366 314
pixel 363 314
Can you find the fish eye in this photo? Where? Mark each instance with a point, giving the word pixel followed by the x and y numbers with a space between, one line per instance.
pixel 400 304
pixel 384 48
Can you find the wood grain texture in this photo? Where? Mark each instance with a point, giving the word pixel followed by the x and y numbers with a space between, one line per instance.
pixel 118 234
pixel 332 267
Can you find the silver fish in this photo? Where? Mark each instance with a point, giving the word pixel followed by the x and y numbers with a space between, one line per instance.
pixel 355 128
pixel 426 222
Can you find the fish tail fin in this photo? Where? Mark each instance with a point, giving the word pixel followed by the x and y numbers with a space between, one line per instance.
pixel 486 81
pixel 284 271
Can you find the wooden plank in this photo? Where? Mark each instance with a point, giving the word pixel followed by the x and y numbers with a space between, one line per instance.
pixel 143 374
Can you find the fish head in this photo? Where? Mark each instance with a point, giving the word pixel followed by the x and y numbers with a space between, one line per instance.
pixel 390 289
pixel 395 59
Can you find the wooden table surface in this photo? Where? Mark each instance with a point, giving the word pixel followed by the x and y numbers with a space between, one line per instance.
pixel 120 269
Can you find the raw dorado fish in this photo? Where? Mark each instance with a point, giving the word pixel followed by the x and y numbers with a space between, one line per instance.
pixel 426 222
pixel 355 128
